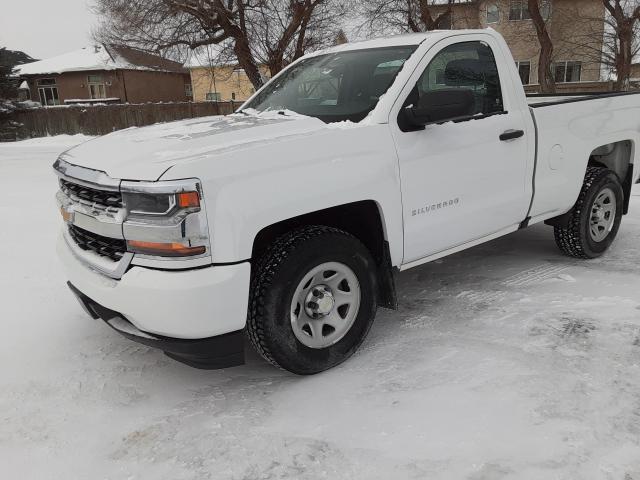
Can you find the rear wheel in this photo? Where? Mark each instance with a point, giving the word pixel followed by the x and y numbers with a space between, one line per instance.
pixel 313 299
pixel 595 219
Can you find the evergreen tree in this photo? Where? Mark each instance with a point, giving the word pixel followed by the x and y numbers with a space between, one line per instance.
pixel 8 84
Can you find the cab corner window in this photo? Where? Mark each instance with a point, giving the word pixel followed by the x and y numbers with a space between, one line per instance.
pixel 460 82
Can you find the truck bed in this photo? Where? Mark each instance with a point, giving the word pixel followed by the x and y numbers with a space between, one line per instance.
pixel 536 100
pixel 570 129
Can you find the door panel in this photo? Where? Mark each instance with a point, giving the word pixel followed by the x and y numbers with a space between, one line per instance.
pixel 460 182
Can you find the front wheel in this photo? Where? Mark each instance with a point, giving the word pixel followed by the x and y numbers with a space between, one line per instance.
pixel 595 218
pixel 313 299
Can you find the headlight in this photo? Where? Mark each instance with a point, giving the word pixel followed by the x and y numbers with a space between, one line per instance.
pixel 165 220
pixel 160 204
pixel 148 204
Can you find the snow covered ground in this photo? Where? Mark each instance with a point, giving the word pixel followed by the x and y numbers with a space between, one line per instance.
pixel 508 361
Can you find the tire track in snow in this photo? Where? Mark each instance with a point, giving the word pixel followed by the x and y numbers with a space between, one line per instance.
pixel 533 275
pixel 522 279
pixel 479 296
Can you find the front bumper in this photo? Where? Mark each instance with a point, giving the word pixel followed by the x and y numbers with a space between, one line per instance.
pixel 177 311
pixel 221 351
pixel 190 304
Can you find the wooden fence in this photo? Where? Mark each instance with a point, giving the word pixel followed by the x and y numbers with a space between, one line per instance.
pixel 102 119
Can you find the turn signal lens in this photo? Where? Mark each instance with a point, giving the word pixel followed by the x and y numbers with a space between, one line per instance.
pixel 164 249
pixel 188 199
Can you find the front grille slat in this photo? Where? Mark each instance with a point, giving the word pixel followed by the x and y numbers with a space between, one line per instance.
pixel 99 199
pixel 99 204
pixel 112 248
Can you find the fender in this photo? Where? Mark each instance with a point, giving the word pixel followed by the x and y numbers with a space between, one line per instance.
pixel 269 182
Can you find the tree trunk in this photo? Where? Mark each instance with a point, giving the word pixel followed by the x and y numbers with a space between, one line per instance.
pixel 624 27
pixel 545 74
pixel 247 62
pixel 624 56
pixel 275 64
pixel 429 22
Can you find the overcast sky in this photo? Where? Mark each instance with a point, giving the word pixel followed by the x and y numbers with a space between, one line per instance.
pixel 44 28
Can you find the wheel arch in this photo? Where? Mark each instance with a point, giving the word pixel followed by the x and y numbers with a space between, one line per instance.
pixel 362 219
pixel 619 158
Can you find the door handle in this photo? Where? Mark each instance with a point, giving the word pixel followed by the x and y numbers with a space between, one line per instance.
pixel 511 135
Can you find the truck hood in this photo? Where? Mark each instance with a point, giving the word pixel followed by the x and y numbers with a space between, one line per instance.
pixel 146 153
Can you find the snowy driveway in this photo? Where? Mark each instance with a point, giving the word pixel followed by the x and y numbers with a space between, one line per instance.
pixel 508 361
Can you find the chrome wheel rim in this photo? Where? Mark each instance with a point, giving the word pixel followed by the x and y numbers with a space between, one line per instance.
pixel 325 305
pixel 603 215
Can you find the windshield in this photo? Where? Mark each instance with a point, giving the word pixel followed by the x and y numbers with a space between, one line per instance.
pixel 334 87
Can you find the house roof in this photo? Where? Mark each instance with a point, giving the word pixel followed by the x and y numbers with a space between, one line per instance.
pixel 101 57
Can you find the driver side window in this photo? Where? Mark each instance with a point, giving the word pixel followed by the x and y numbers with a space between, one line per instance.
pixel 466 70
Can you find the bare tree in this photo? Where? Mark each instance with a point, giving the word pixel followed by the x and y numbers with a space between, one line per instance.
pixel 394 16
pixel 545 58
pixel 607 40
pixel 624 21
pixel 269 32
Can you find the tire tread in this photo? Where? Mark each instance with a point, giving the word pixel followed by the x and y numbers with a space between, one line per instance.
pixel 569 238
pixel 265 273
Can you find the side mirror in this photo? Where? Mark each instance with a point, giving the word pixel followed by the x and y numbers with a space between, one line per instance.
pixel 439 106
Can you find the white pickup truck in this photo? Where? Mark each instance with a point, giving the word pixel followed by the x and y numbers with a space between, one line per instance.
pixel 285 221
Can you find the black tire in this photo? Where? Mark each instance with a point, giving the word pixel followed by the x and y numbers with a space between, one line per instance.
pixel 575 238
pixel 275 280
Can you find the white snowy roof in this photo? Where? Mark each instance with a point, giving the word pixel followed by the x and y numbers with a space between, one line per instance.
pixel 98 57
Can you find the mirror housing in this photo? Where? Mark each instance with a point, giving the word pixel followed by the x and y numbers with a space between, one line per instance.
pixel 440 106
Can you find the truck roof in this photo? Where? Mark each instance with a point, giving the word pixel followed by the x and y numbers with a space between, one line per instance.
pixel 399 40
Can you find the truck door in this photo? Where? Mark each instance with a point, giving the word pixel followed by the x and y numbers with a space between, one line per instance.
pixel 462 179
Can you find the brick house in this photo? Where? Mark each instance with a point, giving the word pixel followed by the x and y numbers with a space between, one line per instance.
pixel 576 28
pixel 106 74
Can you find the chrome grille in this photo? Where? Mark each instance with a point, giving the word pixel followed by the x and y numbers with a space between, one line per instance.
pixel 112 248
pixel 102 200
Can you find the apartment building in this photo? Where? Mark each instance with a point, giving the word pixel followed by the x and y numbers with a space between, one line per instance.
pixel 576 28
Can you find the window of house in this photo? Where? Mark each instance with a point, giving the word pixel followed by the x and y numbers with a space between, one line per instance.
pixel 519 10
pixel 188 90
pixel 97 87
pixel 233 95
pixel 524 70
pixel 545 10
pixel 468 66
pixel 493 13
pixel 213 97
pixel 567 71
pixel 48 91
